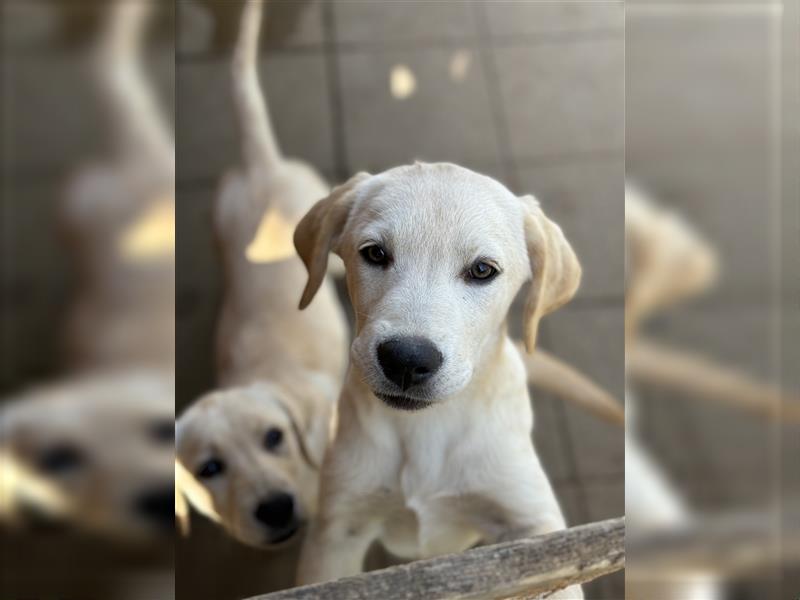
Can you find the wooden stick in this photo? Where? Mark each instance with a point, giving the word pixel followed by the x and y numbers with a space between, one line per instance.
pixel 651 363
pixel 522 567
pixel 552 375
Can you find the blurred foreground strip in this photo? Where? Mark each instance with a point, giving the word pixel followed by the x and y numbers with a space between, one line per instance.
pixel 93 452
pixel 732 544
pixel 525 568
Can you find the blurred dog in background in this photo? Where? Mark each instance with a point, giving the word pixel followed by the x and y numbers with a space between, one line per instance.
pixel 249 454
pixel 119 214
pixel 97 448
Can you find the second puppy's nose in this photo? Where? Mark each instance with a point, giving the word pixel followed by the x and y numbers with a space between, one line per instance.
pixel 158 506
pixel 277 511
pixel 409 361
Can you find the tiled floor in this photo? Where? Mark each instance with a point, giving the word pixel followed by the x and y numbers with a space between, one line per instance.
pixel 538 106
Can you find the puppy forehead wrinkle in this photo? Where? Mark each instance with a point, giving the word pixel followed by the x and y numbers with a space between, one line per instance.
pixel 415 204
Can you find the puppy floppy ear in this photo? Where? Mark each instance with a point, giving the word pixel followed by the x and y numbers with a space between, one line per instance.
pixel 315 235
pixel 310 416
pixel 182 517
pixel 555 269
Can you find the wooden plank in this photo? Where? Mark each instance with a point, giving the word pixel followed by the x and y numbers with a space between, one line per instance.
pixel 524 567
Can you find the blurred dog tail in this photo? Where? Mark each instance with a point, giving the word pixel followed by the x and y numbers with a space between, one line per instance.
pixel 139 125
pixel 552 375
pixel 682 371
pixel 260 146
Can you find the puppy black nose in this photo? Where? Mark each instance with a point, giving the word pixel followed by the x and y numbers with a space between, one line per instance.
pixel 409 361
pixel 158 506
pixel 277 511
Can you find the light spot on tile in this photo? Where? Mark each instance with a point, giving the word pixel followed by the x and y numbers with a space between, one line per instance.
pixel 460 63
pixel 402 82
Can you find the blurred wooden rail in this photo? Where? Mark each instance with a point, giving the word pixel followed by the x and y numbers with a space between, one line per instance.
pixel 525 567
pixel 730 543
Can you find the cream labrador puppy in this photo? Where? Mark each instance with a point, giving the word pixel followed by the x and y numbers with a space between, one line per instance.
pixel 119 212
pixel 95 451
pixel 249 454
pixel 433 451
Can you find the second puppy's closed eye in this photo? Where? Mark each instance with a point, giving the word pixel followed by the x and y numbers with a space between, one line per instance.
pixel 60 459
pixel 211 468
pixel 273 439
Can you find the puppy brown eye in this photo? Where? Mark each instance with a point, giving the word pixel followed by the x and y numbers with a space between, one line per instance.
pixel 482 272
pixel 211 468
pixel 375 255
pixel 273 439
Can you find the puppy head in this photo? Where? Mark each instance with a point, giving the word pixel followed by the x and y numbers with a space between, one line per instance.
pixel 96 453
pixel 434 255
pixel 667 260
pixel 252 461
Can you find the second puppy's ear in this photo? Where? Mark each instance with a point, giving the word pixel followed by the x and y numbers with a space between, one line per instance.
pixel 555 269
pixel 182 517
pixel 316 233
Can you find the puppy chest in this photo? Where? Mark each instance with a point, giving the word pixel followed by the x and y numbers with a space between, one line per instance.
pixel 428 527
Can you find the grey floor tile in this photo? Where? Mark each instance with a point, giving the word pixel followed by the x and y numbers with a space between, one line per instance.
pixel 535 17
pixel 35 290
pixel 392 21
pixel 444 115
pixel 587 202
pixel 195 27
pixel 198 292
pixel 211 28
pixel 591 339
pixel 703 90
pixel 34 24
pixel 605 500
pixel 571 498
pixel 53 113
pixel 293 24
pixel 563 98
pixel 297 93
pixel 550 439
pixel 197 260
pixel 195 327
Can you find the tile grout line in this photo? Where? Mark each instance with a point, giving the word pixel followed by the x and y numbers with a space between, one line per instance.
pixel 491 80
pixel 331 55
pixel 423 43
